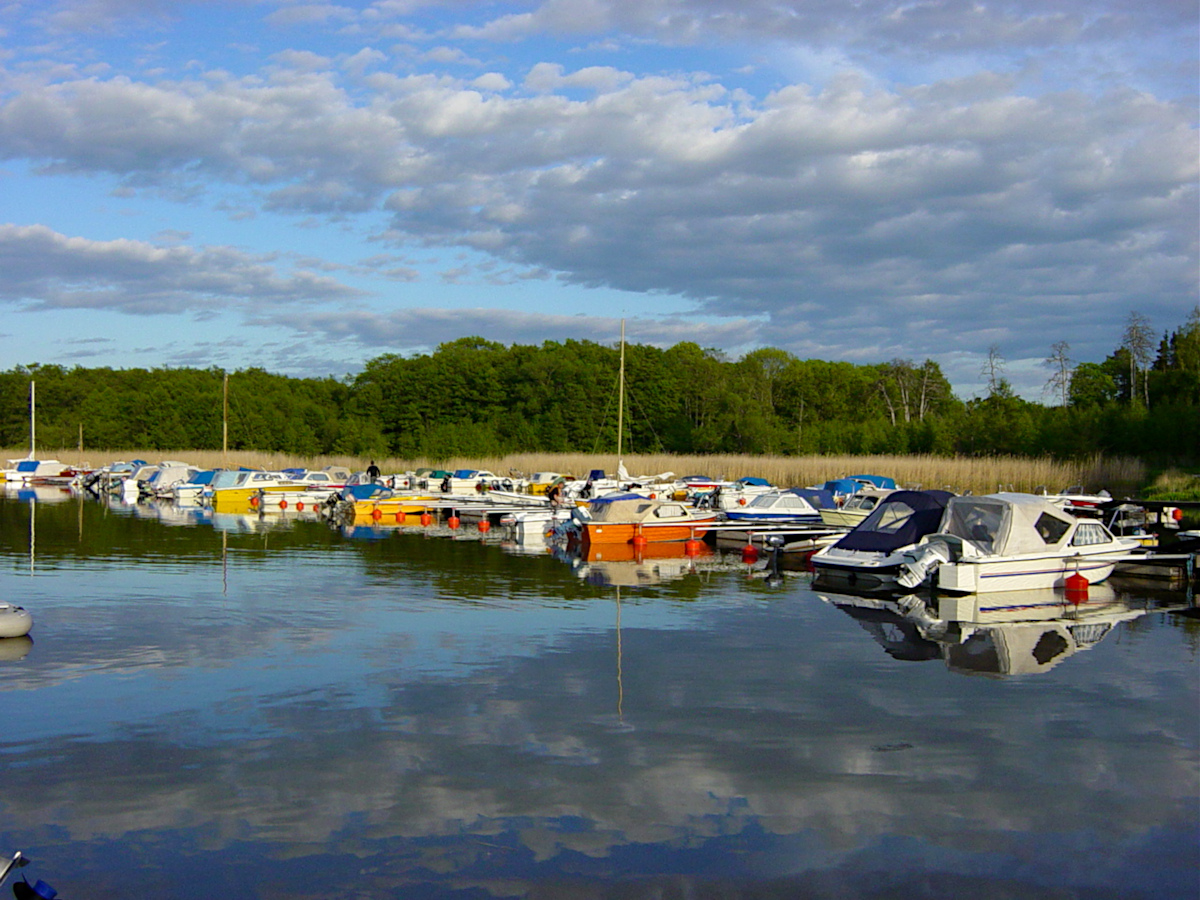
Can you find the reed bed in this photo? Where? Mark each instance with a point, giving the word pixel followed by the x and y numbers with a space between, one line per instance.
pixel 1119 475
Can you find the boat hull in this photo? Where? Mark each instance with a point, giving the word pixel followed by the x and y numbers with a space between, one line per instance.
pixel 15 622
pixel 844 518
pixel 624 533
pixel 1020 574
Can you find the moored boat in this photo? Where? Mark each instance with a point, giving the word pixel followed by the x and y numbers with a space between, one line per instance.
pixel 1011 541
pixel 871 555
pixel 625 517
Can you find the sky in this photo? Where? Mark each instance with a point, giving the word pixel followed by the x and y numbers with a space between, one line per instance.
pixel 304 187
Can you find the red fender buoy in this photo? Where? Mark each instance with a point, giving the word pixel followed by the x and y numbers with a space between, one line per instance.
pixel 452 522
pixel 1077 588
pixel 749 554
pixel 426 519
pixel 283 504
pixel 377 514
pixel 484 526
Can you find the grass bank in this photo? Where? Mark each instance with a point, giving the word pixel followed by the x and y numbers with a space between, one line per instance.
pixel 1119 475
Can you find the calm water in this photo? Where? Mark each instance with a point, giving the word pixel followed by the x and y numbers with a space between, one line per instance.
pixel 227 707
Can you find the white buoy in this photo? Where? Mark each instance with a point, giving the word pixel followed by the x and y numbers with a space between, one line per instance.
pixel 14 621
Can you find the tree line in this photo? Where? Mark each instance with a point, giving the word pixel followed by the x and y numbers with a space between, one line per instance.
pixel 474 397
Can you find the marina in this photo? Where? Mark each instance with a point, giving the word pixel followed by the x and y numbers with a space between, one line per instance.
pixel 276 703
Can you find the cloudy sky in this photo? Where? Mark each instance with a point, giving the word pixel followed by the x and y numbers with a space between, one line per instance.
pixel 306 186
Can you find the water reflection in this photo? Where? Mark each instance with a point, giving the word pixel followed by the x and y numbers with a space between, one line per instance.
pixel 1003 634
pixel 287 712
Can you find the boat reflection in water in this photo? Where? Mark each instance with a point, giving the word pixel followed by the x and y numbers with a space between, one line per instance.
pixel 1001 634
pixel 628 566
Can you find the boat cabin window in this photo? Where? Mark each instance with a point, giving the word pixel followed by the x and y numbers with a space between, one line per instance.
pixel 1089 533
pixel 862 501
pixel 670 511
pixel 1051 528
pixel 764 500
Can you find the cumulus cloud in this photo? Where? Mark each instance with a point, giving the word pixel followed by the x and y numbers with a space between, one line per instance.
pixel 903 209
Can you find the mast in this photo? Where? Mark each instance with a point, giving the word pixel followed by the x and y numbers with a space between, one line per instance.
pixel 225 423
pixel 32 418
pixel 621 401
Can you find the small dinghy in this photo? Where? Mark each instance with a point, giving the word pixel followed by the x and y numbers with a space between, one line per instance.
pixel 14 621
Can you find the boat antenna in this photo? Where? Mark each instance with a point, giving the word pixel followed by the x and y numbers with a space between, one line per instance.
pixel 621 401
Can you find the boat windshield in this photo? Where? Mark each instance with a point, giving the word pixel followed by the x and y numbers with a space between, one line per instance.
pixel 889 518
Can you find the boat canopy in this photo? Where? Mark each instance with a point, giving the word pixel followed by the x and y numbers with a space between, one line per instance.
pixel 880 481
pixel 627 507
pixel 818 498
pixel 900 520
pixel 365 491
pixel 1006 524
pixel 752 481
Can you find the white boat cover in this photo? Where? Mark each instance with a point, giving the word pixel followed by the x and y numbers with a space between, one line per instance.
pixel 1007 524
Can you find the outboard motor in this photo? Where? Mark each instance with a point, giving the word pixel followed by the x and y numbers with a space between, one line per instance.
pixel 921 563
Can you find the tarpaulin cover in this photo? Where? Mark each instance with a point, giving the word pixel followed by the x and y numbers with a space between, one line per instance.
pixel 901 519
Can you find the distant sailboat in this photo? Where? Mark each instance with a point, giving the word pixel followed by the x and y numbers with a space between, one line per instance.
pixel 21 471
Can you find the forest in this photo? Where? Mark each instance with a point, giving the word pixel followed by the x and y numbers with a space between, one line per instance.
pixel 474 397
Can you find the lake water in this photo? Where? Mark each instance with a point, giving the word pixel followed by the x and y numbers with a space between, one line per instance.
pixel 254 708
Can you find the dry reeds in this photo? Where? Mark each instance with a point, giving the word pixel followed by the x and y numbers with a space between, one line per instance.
pixel 980 475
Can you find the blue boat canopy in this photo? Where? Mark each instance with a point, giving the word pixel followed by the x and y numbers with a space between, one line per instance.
pixel 900 519
pixel 365 491
pixel 751 481
pixel 818 498
pixel 855 483
pixel 880 481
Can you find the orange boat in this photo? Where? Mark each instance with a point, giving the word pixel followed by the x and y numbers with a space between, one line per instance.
pixel 630 518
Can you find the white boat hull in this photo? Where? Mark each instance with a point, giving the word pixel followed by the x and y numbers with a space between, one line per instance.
pixel 1020 573
pixel 15 622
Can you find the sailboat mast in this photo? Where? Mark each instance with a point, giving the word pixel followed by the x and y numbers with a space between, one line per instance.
pixel 225 423
pixel 621 400
pixel 32 419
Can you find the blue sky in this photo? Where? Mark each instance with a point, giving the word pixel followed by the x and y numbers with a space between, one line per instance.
pixel 306 186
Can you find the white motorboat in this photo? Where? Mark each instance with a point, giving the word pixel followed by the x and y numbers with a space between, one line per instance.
pixel 796 505
pixel 1010 541
pixel 871 556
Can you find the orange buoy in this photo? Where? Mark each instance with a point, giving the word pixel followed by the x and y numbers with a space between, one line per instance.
pixel 452 521
pixel 484 526
pixel 254 501
pixel 639 539
pixel 426 518
pixel 283 504
pixel 1077 588
pixel 653 496
pixel 377 514
pixel 400 517
pixel 741 501
pixel 691 547
pixel 749 554
pixel 300 506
